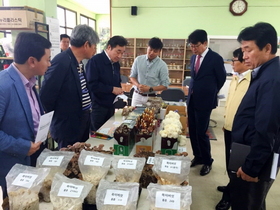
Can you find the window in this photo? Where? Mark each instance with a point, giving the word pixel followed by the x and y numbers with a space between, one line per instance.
pixel 88 21
pixel 67 20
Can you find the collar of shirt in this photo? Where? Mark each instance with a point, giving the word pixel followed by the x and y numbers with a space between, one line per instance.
pixel 202 55
pixel 152 61
pixel 255 71
pixel 28 83
pixel 242 75
pixel 108 57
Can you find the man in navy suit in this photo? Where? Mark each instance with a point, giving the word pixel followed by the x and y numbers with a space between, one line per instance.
pixel 65 90
pixel 257 120
pixel 104 80
pixel 207 77
pixel 20 107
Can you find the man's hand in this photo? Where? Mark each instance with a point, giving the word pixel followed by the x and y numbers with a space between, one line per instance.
pixel 246 177
pixel 34 147
pixel 117 91
pixel 143 88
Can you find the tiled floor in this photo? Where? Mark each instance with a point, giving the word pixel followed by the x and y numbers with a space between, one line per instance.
pixel 204 194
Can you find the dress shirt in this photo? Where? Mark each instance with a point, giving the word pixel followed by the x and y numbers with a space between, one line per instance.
pixel 236 93
pixel 151 73
pixel 202 56
pixel 34 105
pixel 255 71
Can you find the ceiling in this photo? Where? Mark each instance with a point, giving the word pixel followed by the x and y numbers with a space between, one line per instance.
pixel 96 6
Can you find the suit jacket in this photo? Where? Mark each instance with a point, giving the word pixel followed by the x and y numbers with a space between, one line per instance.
pixel 205 85
pixel 16 122
pixel 102 77
pixel 257 120
pixel 61 92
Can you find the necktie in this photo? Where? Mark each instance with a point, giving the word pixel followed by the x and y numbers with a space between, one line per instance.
pixel 197 64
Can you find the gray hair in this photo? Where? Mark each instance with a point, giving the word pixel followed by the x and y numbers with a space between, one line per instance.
pixel 83 33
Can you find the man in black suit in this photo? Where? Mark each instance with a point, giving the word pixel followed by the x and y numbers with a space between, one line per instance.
pixel 207 77
pixel 65 91
pixel 257 120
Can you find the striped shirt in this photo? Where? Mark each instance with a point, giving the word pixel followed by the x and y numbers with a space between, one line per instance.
pixel 86 101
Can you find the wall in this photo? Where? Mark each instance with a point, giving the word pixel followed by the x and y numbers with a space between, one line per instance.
pixel 48 6
pixel 178 18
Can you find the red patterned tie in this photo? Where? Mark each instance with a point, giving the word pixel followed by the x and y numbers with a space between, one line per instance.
pixel 197 64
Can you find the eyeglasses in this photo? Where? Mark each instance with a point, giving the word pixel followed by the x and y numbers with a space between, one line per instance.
pixel 195 46
pixel 233 60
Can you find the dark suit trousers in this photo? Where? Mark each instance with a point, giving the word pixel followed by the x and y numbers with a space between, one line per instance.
pixel 198 125
pixel 248 195
pixel 99 115
pixel 227 139
pixel 83 131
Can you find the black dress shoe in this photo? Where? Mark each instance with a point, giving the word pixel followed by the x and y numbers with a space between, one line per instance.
pixel 195 162
pixel 223 205
pixel 222 188
pixel 205 170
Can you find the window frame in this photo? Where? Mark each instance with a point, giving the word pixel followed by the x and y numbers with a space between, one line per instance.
pixel 88 18
pixel 65 26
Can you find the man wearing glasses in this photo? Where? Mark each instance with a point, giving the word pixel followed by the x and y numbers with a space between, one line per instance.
pixel 238 87
pixel 207 77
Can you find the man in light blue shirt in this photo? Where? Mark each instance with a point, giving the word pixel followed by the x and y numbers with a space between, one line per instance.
pixel 149 73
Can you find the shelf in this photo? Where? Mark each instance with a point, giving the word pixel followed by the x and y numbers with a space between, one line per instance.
pixel 176 48
pixel 175 69
pixel 6 58
pixel 127 57
pixel 178 59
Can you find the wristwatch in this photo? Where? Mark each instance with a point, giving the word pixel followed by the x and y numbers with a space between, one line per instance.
pixel 151 89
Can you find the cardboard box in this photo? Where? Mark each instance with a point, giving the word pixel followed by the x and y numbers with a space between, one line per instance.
pixel 183 116
pixel 123 144
pixel 180 109
pixel 20 17
pixel 124 140
pixel 169 146
pixel 145 142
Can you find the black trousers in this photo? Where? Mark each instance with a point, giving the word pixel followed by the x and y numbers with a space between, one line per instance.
pixel 100 115
pixel 198 125
pixel 227 140
pixel 83 131
pixel 248 195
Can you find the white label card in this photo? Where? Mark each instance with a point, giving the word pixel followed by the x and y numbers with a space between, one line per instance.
pixel 93 160
pixel 25 180
pixel 127 163
pixel 171 166
pixel 116 197
pixel 181 149
pixel 43 128
pixel 53 161
pixel 70 190
pixel 168 200
pixel 274 166
pixel 151 160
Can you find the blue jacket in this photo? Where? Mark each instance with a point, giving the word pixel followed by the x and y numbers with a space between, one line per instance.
pixel 16 122
pixel 257 120
pixel 102 76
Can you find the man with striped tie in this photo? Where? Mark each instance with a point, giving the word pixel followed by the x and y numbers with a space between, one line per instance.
pixel 65 90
